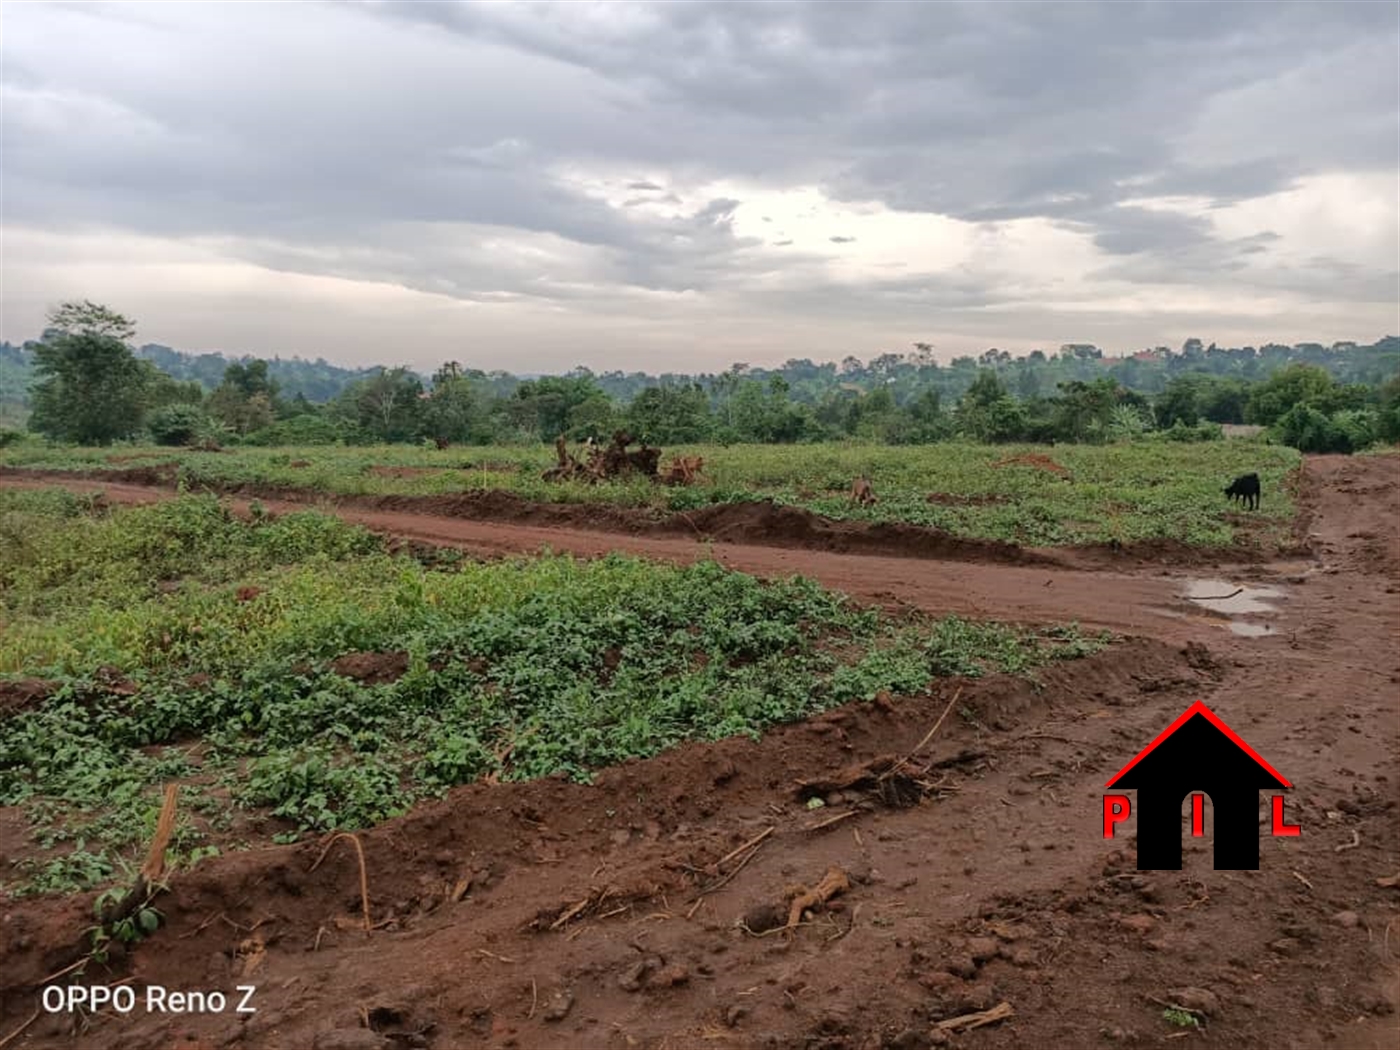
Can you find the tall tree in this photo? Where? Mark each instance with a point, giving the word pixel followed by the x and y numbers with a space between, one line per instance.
pixel 247 398
pixel 89 387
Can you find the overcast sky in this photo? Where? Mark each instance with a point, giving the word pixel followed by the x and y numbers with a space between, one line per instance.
pixel 678 186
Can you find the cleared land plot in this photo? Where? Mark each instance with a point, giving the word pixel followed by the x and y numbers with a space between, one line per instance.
pixel 297 677
pixel 1028 495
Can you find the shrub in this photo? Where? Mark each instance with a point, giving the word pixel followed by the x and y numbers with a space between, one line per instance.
pixel 179 425
pixel 1309 430
pixel 1356 428
pixel 1179 431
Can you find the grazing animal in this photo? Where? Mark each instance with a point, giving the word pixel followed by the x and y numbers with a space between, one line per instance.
pixel 1245 488
pixel 685 470
pixel 862 493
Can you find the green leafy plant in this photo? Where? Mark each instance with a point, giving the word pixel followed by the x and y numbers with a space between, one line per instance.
pixel 1181 1018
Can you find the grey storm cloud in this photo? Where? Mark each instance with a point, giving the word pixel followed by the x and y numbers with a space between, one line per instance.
pixel 398 141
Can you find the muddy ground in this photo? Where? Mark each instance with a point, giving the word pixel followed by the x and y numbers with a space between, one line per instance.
pixel 557 915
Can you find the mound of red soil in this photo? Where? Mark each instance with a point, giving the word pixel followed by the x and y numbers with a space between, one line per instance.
pixel 1035 460
pixel 22 693
pixel 755 522
pixel 777 525
pixel 372 668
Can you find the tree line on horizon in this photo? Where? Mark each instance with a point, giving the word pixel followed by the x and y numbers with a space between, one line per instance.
pixel 87 385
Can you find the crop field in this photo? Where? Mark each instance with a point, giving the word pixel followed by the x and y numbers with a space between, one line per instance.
pixel 297 677
pixel 1030 495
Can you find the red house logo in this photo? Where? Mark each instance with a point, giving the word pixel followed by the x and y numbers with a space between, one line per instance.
pixel 1199 755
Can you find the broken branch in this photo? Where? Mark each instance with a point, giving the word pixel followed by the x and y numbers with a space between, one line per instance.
pixel 927 737
pixel 967 1022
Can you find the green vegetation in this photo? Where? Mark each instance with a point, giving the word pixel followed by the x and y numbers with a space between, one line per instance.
pixel 1175 1015
pixel 1132 491
pixel 92 389
pixel 182 643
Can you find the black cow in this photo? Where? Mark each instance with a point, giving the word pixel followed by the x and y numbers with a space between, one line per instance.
pixel 1245 488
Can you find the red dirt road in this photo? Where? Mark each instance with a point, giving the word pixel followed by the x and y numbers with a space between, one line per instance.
pixel 1124 602
pixel 592 916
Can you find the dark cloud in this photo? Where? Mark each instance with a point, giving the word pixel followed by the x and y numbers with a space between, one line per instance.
pixel 409 141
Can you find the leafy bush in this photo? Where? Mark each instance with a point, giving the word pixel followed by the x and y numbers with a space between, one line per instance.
pixel 179 425
pixel 303 430
pixel 1357 429
pixel 1125 423
pixel 1179 431
pixel 1310 430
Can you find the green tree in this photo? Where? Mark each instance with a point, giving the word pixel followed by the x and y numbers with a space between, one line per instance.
pixel 1388 421
pixel 988 413
pixel 670 414
pixel 458 409
pixel 1293 385
pixel 387 406
pixel 247 398
pixel 1178 402
pixel 163 390
pixel 89 387
pixel 542 406
pixel 1083 410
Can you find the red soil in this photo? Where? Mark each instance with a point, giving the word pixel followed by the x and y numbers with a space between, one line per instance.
pixel 558 915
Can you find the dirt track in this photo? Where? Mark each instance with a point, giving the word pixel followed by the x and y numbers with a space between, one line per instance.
pixel 1001 888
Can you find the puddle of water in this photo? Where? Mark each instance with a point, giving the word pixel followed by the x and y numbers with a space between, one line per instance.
pixel 1250 630
pixel 1210 594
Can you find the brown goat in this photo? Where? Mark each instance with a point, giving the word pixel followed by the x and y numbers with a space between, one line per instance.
pixel 862 493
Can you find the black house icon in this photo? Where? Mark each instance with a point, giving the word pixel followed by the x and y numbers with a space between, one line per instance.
pixel 1198 752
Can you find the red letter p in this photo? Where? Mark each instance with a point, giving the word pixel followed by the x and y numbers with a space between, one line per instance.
pixel 1115 809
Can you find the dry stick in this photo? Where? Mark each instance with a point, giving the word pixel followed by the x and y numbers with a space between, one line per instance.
pixel 67 969
pixel 832 820
pixel 752 842
pixel 1303 879
pixel 534 997
pixel 1355 841
pixel 927 737
pixel 1217 597
pixel 737 868
pixel 364 877
pixel 969 1021
pixel 571 912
